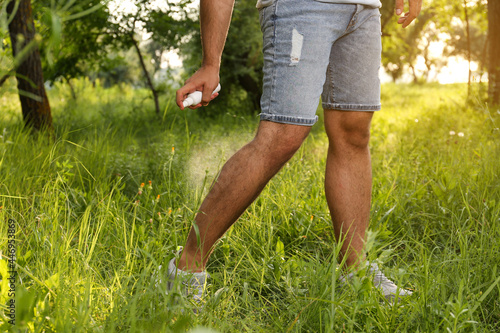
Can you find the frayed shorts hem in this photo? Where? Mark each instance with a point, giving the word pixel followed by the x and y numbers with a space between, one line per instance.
pixel 291 120
pixel 351 107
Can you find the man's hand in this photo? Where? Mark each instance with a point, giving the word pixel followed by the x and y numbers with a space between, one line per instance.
pixel 215 17
pixel 205 80
pixel 407 18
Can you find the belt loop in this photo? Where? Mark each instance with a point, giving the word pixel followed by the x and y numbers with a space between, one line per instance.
pixel 354 17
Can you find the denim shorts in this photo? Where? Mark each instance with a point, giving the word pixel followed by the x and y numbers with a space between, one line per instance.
pixel 314 49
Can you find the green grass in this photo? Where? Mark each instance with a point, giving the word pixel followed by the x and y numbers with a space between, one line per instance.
pixel 88 245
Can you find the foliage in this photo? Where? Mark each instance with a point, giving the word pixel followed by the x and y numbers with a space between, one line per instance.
pixel 89 245
pixel 166 25
pixel 457 44
pixel 401 47
pixel 439 21
pixel 74 36
pixel 75 43
pixel 9 63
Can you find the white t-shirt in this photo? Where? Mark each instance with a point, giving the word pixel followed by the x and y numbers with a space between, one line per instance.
pixel 371 3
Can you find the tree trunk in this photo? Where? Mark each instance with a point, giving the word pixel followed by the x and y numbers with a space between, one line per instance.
pixel 148 79
pixel 414 72
pixel 482 63
pixel 467 33
pixel 30 84
pixel 494 50
pixel 72 89
pixel 494 53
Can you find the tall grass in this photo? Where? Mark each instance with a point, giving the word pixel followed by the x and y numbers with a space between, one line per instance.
pixel 101 208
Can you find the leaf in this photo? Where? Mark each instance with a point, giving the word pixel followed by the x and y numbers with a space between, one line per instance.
pixel 485 294
pixel 83 13
pixel 25 304
pixel 280 249
pixel 52 282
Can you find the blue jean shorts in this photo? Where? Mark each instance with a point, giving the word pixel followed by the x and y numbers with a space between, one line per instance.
pixel 314 49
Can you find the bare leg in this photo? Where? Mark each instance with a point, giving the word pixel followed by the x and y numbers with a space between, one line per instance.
pixel 241 180
pixel 348 179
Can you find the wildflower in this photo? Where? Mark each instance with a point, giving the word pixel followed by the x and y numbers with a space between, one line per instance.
pixel 157 198
pixel 461 134
pixel 140 191
pixel 312 217
pixel 452 133
pixel 159 215
pixel 150 220
pixel 169 211
pixel 173 150
pixel 142 185
pixel 150 186
pixel 136 203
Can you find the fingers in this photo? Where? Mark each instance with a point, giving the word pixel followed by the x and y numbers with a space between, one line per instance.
pixel 189 88
pixel 411 15
pixel 408 18
pixel 402 19
pixel 204 80
pixel 182 93
pixel 207 95
pixel 193 107
pixel 400 7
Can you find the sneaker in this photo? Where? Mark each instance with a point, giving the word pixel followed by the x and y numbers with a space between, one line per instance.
pixel 193 284
pixel 388 288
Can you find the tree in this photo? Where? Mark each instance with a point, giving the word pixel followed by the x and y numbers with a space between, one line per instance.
pixel 494 50
pixel 458 44
pixel 73 42
pixel 165 25
pixel 403 46
pixel 34 102
pixel 467 33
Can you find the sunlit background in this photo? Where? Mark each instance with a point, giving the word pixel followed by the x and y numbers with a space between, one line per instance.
pixel 456 69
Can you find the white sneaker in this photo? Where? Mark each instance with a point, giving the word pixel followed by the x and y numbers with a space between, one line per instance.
pixel 388 288
pixel 193 284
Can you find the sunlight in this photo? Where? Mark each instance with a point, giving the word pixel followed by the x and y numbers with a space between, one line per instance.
pixel 457 71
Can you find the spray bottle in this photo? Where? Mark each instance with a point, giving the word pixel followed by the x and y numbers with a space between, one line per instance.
pixel 194 98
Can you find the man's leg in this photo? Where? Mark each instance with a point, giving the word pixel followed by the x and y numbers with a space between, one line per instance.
pixel 240 181
pixel 348 179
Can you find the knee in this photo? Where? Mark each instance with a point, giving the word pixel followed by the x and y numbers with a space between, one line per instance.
pixel 356 138
pixel 286 145
pixel 280 142
pixel 350 134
